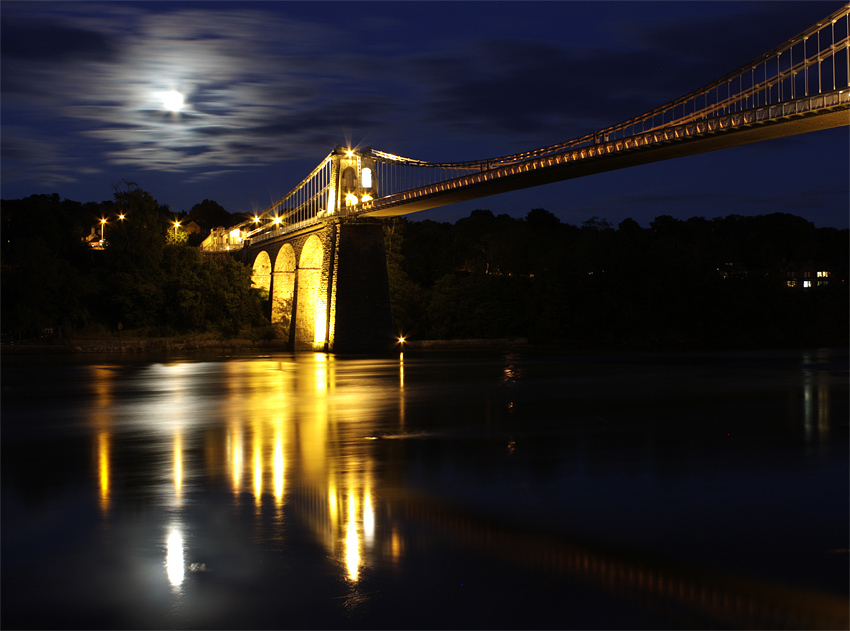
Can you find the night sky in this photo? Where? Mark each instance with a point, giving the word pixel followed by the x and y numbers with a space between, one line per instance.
pixel 271 87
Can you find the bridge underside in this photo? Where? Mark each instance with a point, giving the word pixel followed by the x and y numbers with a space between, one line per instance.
pixel 675 148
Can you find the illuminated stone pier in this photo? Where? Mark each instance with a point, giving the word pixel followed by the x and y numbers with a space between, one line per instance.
pixel 328 284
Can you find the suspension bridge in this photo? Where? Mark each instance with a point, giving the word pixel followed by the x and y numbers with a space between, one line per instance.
pixel 798 87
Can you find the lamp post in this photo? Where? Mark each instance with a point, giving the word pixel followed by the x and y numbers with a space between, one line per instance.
pixel 102 229
pixel 176 225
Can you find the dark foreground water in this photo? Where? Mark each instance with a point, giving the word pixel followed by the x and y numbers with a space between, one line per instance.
pixel 426 491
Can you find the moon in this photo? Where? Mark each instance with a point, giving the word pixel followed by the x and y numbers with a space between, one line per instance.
pixel 172 101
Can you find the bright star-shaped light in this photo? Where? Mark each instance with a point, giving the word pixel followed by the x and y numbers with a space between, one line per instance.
pixel 172 101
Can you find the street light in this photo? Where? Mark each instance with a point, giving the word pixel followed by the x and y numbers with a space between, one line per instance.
pixel 102 229
pixel 176 225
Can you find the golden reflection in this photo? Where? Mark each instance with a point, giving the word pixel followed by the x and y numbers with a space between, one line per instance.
pixel 351 552
pixel 102 424
pixel 277 467
pixel 321 372
pixel 333 509
pixel 257 465
pixel 235 450
pixel 286 417
pixel 395 544
pixel 103 438
pixel 368 519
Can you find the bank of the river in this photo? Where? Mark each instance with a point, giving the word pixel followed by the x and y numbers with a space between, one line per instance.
pixel 143 345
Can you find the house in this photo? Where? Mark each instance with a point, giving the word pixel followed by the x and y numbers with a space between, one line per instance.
pixel 806 276
pixel 222 238
pixel 94 240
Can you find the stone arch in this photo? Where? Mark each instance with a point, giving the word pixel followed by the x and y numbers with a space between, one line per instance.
pixel 283 287
pixel 261 273
pixel 311 317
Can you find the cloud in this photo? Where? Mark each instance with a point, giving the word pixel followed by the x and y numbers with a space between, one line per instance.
pixel 253 82
pixel 270 88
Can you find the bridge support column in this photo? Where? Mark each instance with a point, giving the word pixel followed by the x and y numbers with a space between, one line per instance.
pixel 340 301
pixel 329 284
pixel 360 296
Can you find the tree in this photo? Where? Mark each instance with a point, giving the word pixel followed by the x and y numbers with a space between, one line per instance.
pixel 211 215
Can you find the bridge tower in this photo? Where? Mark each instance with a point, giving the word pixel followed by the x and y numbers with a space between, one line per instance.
pixel 327 277
pixel 353 180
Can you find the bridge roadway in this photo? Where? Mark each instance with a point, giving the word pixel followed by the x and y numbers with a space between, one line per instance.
pixel 800 116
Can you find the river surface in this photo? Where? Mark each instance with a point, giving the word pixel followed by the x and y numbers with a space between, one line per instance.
pixel 469 490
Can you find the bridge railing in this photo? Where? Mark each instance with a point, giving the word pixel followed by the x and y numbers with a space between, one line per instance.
pixel 808 72
pixel 817 61
pixel 303 206
pixel 814 62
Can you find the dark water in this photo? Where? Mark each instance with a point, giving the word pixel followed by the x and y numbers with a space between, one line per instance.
pixel 426 491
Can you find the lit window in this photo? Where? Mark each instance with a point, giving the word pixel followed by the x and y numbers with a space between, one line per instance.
pixel 366 178
pixel 790 283
pixel 823 274
pixel 807 283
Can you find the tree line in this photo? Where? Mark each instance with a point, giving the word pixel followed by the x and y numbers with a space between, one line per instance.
pixel 711 283
pixel 719 282
pixel 147 279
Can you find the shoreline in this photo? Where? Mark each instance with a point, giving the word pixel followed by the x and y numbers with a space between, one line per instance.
pixel 132 346
pixel 140 347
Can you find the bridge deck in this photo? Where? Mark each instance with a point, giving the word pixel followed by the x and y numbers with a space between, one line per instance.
pixel 778 121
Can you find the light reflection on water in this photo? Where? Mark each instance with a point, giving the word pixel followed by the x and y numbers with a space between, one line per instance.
pixel 272 416
pixel 380 466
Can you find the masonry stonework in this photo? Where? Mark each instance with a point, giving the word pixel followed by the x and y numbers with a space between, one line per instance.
pixel 337 296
